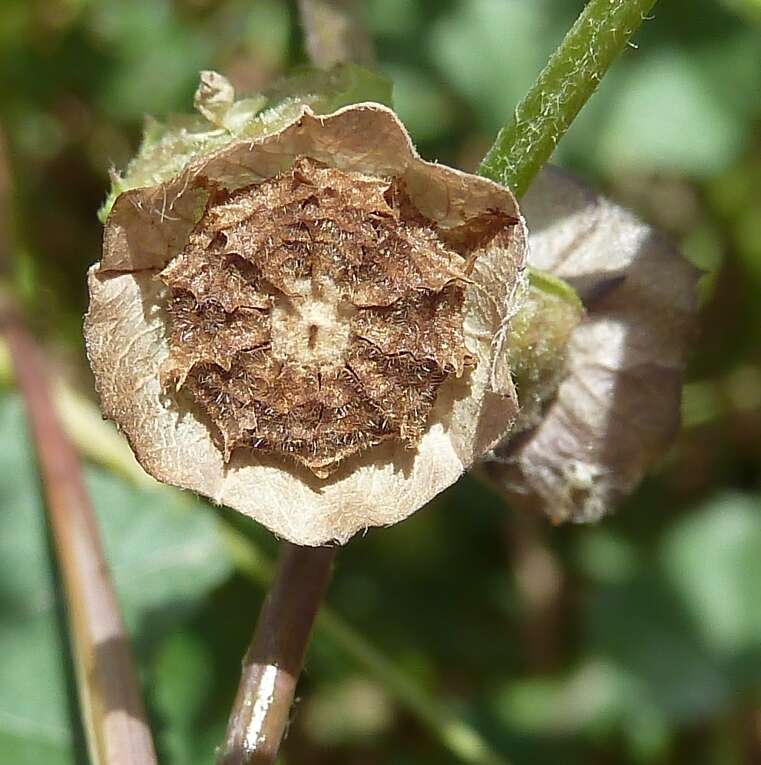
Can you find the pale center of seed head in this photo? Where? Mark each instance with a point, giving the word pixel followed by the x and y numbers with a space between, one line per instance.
pixel 313 327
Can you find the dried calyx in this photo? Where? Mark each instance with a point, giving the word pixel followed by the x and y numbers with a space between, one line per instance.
pixel 316 314
pixel 306 321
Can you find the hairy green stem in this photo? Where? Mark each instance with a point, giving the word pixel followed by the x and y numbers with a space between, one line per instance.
pixel 569 78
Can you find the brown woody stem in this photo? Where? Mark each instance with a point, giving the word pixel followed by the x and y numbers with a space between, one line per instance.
pixel 335 32
pixel 112 711
pixel 274 659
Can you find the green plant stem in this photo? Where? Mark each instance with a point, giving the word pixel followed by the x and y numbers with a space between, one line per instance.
pixel 567 81
pixel 459 737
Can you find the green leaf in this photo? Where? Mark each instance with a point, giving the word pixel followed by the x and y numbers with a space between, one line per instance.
pixel 165 554
pixel 422 103
pixel 491 51
pixel 694 131
pixel 605 556
pixel 641 627
pixel 591 695
pixel 184 671
pixel 712 560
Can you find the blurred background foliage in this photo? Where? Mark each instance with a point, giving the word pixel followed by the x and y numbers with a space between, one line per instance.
pixel 634 641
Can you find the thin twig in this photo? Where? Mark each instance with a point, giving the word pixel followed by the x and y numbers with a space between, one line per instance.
pixel 539 582
pixel 112 711
pixel 335 32
pixel 274 659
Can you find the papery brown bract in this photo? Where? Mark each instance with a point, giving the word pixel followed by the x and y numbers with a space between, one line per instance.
pixel 129 329
pixel 617 409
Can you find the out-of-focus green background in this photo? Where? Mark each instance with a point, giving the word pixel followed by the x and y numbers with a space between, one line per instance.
pixel 634 641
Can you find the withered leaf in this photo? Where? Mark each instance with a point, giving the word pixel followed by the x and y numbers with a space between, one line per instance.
pixel 617 409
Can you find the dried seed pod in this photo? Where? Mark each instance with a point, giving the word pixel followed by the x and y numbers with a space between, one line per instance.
pixel 617 408
pixel 309 326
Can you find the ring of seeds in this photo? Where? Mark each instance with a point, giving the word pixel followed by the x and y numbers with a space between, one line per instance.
pixel 315 315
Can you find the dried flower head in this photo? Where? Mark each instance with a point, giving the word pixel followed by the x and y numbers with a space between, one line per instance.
pixel 308 326
pixel 617 408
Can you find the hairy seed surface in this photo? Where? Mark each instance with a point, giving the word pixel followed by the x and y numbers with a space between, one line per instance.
pixel 316 314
